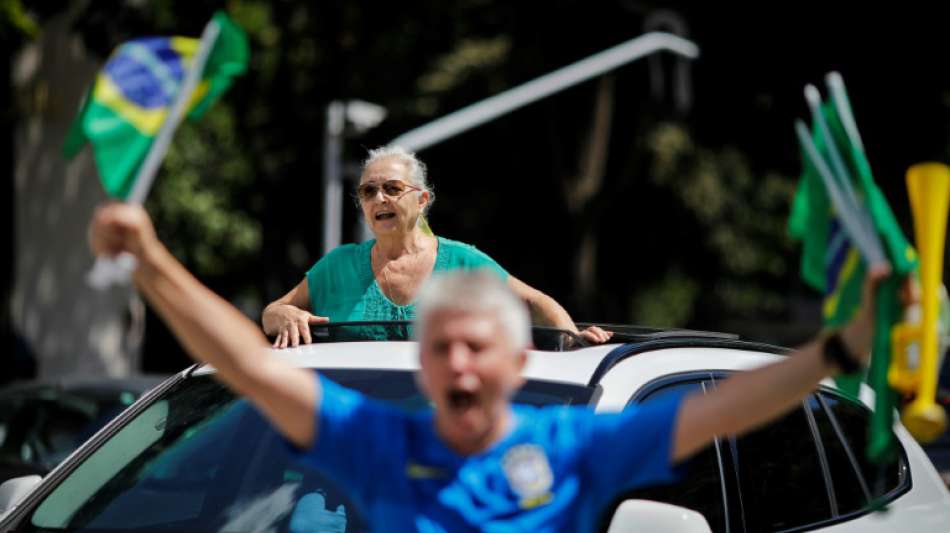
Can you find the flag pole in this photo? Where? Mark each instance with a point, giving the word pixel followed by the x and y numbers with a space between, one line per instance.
pixel 839 171
pixel 839 96
pixel 107 272
pixel 848 216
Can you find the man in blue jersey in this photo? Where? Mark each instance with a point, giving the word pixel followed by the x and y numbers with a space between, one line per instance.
pixel 475 461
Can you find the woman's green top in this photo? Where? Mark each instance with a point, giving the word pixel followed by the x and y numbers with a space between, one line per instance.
pixel 343 287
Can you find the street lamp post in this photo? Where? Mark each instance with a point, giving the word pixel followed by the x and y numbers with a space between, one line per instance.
pixel 351 117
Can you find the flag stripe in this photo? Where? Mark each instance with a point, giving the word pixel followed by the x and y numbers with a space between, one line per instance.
pixel 107 94
pixel 831 306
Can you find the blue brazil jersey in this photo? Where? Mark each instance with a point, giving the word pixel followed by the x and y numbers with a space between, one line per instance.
pixel 557 469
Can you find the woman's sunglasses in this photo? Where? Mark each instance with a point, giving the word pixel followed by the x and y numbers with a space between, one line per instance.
pixel 391 188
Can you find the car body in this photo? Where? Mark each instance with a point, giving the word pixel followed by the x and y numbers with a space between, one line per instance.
pixel 939 449
pixel 41 422
pixel 190 456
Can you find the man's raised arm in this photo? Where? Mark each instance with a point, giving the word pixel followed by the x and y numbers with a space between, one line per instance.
pixel 210 329
pixel 750 399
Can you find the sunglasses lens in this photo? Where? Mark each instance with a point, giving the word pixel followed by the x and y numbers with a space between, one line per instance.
pixel 367 190
pixel 393 188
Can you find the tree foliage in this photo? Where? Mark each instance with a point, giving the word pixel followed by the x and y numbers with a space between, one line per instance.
pixel 666 218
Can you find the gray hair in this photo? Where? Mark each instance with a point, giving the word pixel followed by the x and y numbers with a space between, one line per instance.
pixel 418 174
pixel 474 291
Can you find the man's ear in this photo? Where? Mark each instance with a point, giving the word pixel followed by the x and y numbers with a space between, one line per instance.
pixel 421 383
pixel 520 362
pixel 423 199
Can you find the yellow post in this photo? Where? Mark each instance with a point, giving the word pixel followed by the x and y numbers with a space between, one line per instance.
pixel 928 185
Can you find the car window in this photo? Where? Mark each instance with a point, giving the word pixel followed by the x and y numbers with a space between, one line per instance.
pixel 203 460
pixel 41 425
pixel 850 489
pixel 888 480
pixel 775 478
pixel 53 434
pixel 116 454
pixel 198 460
pixel 701 489
pixel 41 432
pixel 7 407
pixel 780 476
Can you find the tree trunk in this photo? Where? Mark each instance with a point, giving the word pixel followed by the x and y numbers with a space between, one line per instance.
pixel 70 328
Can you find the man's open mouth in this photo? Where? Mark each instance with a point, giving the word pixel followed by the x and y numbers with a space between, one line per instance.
pixel 385 216
pixel 459 399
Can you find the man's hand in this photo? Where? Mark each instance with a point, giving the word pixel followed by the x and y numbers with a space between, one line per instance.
pixel 858 334
pixel 749 399
pixel 209 328
pixel 117 228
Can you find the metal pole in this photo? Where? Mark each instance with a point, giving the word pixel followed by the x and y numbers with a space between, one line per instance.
pixel 333 176
pixel 156 154
pixel 534 90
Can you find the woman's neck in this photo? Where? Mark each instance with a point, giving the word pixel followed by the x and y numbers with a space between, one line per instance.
pixel 396 245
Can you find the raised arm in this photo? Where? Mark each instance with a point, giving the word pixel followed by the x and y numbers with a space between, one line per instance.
pixel 210 329
pixel 288 318
pixel 749 399
pixel 546 311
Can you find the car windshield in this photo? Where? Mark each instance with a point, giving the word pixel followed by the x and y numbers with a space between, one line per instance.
pixel 200 459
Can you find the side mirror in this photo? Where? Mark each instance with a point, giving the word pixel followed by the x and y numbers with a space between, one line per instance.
pixel 645 516
pixel 13 490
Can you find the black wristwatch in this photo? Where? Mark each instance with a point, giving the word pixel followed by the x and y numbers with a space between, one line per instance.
pixel 837 355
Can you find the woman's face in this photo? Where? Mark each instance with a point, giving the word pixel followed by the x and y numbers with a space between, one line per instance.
pixel 388 214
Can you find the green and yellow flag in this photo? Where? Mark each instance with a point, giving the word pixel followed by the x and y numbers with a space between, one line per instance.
pixel 832 264
pixel 134 92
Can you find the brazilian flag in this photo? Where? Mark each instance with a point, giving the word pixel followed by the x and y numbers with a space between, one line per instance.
pixel 134 92
pixel 832 264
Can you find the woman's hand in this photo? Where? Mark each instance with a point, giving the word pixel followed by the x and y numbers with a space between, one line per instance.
pixel 595 335
pixel 292 324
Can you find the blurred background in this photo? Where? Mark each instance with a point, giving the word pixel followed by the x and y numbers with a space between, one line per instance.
pixel 657 194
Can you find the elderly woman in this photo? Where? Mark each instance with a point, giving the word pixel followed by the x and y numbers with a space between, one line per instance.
pixel 379 279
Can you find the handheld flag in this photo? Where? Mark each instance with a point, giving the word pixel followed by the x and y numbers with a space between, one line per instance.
pixel 139 98
pixel 844 223
pixel 134 95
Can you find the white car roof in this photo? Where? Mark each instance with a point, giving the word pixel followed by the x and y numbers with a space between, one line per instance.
pixel 571 367
pixel 626 375
pixel 576 366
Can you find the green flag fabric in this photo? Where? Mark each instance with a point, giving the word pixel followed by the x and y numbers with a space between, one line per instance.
pixel 833 265
pixel 135 90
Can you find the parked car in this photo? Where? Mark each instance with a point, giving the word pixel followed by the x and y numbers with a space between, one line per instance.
pixel 191 456
pixel 41 422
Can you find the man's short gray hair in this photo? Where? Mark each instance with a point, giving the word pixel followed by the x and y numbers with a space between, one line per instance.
pixel 418 174
pixel 474 291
